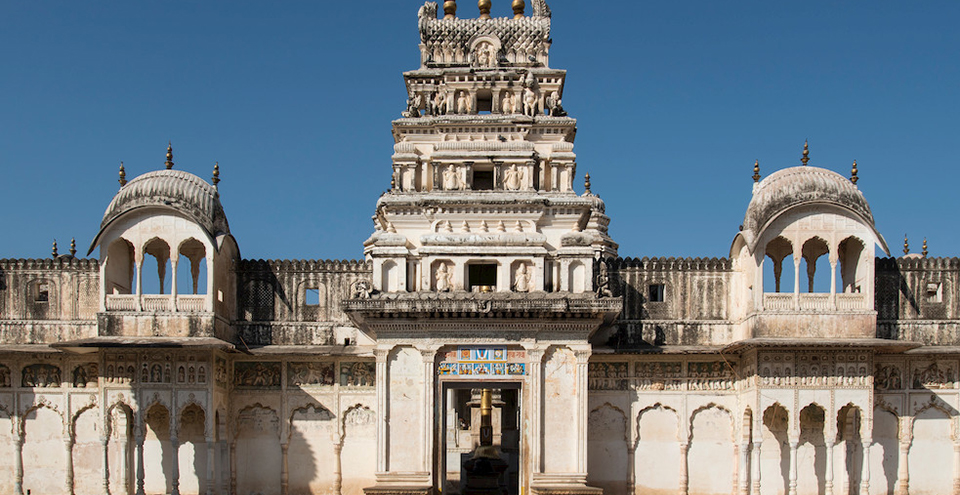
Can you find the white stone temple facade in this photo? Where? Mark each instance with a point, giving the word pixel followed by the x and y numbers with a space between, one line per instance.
pixel 807 362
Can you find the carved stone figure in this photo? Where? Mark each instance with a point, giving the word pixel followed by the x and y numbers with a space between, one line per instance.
pixel 257 374
pixel 444 279
pixel 452 180
pixel 555 105
pixel 529 102
pixel 508 106
pixel 522 281
pixel 357 374
pixel 512 178
pixel 603 281
pixel 80 376
pixel 464 103
pixel 41 375
pixel 363 289
pixel 413 106
pixel 4 376
pixel 439 102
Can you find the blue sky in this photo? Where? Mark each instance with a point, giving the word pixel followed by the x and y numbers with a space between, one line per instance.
pixel 674 101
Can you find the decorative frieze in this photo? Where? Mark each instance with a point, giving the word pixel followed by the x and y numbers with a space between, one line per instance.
pixel 358 374
pixel 41 375
pixel 299 374
pixel 257 374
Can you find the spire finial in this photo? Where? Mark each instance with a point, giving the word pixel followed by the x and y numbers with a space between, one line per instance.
pixel 216 173
pixel 73 247
pixel 518 6
pixel 756 171
pixel 806 153
pixel 54 252
pixel 853 173
pixel 906 245
pixel 924 247
pixel 484 6
pixel 450 9
pixel 169 162
pixel 123 176
pixel 586 183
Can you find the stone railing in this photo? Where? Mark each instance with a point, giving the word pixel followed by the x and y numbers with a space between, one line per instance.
pixel 191 303
pixel 154 302
pixel 847 302
pixel 121 302
pixel 778 302
pixel 814 302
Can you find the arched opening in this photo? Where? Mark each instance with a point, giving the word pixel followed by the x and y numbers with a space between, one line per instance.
pixel 160 251
pixel 814 261
pixel 774 277
pixel 192 268
pixel 192 456
pixel 389 277
pixel 578 277
pixel 812 451
pixel 484 101
pixel 119 267
pixel 157 450
pixel 775 454
pixel 851 275
pixel 848 454
pixel 119 451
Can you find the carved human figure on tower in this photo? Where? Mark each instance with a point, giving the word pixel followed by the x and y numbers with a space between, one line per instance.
pixel 464 105
pixel 529 102
pixel 509 104
pixel 555 105
pixel 440 102
pixel 452 180
pixel 444 279
pixel 522 279
pixel 512 179
pixel 413 106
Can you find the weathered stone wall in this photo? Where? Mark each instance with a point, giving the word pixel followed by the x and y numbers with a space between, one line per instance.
pixel 35 293
pixel 916 299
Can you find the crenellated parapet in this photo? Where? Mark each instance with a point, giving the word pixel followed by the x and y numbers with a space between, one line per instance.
pixel 678 264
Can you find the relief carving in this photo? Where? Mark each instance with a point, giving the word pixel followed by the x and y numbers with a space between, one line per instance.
pixel 85 374
pixel 359 374
pixel 5 376
pixel 887 377
pixel 247 374
pixel 220 376
pixel 309 374
pixel 361 416
pixel 608 376
pixel 41 375
pixel 933 376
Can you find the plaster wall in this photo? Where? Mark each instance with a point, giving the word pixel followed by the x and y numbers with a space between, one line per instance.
pixel 406 414
pixel 559 395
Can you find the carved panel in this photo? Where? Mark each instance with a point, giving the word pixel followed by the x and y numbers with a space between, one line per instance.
pixel 888 376
pixel 360 374
pixel 5 376
pixel 933 375
pixel 257 374
pixel 659 375
pixel 713 375
pixel 310 374
pixel 609 376
pixel 220 373
pixel 84 375
pixel 41 375
pixel 361 416
pixel 120 368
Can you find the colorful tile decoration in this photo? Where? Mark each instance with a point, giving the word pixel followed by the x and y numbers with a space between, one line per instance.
pixel 483 362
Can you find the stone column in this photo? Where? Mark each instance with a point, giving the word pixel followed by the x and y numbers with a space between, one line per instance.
pixel 125 460
pixel 534 358
pixel 833 283
pixel 684 472
pixel 211 465
pixel 139 442
pixel 284 468
pixel 796 283
pixel 18 459
pixel 865 473
pixel 632 470
pixel 140 283
pixel 744 468
pixel 173 281
pixel 105 444
pixel 794 444
pixel 903 474
pixel 828 443
pixel 583 408
pixel 847 453
pixel 233 466
pixel 68 445
pixel 755 475
pixel 175 464
pixel 382 381
pixel 338 469
pixel 427 357
pixel 736 472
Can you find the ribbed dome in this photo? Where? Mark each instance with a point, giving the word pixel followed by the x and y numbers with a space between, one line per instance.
pixel 181 191
pixel 794 186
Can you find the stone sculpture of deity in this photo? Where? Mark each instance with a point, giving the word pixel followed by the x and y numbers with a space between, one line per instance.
pixel 452 180
pixel 521 279
pixel 464 105
pixel 444 279
pixel 529 102
pixel 509 104
pixel 512 178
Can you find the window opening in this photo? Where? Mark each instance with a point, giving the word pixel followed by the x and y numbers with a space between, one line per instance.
pixel 483 180
pixel 43 293
pixel 312 297
pixel 483 277
pixel 656 293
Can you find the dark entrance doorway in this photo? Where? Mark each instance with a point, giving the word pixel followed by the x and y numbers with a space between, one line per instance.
pixel 461 431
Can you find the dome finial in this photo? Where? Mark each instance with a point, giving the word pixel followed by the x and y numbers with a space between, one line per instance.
pixel 518 7
pixel 123 176
pixel 216 173
pixel 484 6
pixel 73 247
pixel 756 171
pixel 806 153
pixel 586 184
pixel 906 245
pixel 169 162
pixel 450 9
pixel 853 173
pixel 54 252
pixel 924 247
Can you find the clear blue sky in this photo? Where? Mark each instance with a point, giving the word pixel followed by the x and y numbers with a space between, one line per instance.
pixel 674 101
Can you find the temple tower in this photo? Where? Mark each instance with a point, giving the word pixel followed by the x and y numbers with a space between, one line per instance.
pixel 489 270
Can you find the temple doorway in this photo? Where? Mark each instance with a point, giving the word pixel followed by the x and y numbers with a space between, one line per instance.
pixel 461 432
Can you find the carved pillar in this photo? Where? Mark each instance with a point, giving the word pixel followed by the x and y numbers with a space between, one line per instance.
pixel 745 468
pixel 903 474
pixel 175 464
pixel 736 472
pixel 173 281
pixel 534 358
pixel 833 283
pixel 125 459
pixel 211 465
pixel 284 468
pixel 794 444
pixel 233 466
pixel 427 357
pixel 18 459
pixel 796 283
pixel 847 453
pixel 68 445
pixel 105 444
pixel 828 443
pixel 755 475
pixel 140 283
pixel 139 442
pixel 631 470
pixel 583 408
pixel 684 472
pixel 338 469
pixel 382 381
pixel 865 476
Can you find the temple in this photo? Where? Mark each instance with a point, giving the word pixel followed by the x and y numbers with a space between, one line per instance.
pixel 492 340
